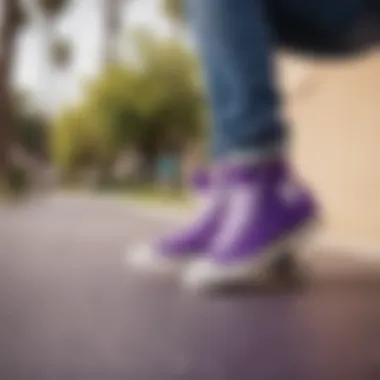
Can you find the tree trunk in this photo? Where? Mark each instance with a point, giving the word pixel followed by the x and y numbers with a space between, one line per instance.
pixel 112 13
pixel 47 77
pixel 112 10
pixel 8 33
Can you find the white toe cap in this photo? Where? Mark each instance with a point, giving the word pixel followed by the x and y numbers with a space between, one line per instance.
pixel 145 258
pixel 205 275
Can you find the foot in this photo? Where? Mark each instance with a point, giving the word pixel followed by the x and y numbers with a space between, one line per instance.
pixel 268 213
pixel 172 252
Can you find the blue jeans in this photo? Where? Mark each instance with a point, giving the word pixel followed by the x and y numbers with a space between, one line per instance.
pixel 236 39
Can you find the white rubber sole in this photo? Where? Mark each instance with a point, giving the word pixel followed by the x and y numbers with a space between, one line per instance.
pixel 205 274
pixel 144 259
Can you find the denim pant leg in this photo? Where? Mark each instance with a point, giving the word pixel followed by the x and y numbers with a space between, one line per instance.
pixel 236 39
pixel 234 42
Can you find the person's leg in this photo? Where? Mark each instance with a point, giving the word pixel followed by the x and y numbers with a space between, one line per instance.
pixel 267 207
pixel 265 202
pixel 235 45
pixel 234 41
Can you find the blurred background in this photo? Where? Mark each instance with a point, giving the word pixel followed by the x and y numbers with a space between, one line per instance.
pixel 107 96
pixel 97 94
pixel 103 118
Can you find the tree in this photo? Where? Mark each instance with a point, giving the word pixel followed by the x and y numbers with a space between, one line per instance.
pixel 60 52
pixel 51 8
pixel 171 97
pixel 112 11
pixel 57 52
pixel 153 107
pixel 12 20
pixel 32 133
pixel 74 142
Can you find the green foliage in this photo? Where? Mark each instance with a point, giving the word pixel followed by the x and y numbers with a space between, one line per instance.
pixel 17 180
pixel 32 133
pixel 74 142
pixel 153 106
pixel 172 95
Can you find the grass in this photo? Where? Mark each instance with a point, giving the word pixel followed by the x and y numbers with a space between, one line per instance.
pixel 160 196
pixel 157 195
pixel 144 194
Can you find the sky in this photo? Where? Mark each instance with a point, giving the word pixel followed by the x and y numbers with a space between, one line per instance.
pixel 81 23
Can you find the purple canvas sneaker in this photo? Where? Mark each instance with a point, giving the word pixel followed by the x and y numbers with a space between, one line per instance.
pixel 190 242
pixel 268 212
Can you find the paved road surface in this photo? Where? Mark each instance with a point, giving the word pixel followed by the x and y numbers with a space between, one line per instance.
pixel 69 310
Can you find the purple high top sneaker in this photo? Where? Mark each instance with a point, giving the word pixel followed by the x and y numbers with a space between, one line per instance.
pixel 268 211
pixel 172 252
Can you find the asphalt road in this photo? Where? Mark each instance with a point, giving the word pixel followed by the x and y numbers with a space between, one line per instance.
pixel 69 309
